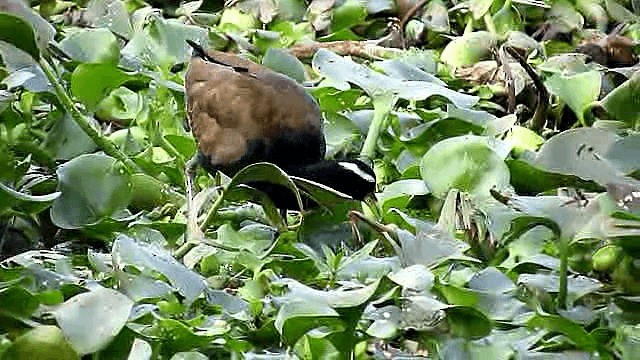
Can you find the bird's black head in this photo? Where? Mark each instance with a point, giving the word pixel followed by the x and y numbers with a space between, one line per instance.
pixel 352 177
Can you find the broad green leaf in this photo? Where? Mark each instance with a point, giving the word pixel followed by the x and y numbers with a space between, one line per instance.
pixel 19 33
pixel 573 331
pixel 577 91
pixel 93 187
pixel 348 14
pixel 580 152
pixel 578 286
pixel 108 310
pixel 234 20
pixel 42 342
pixel 178 337
pixel 623 103
pixel 627 341
pixel 466 163
pixel 24 70
pixel 90 83
pixel 468 49
pixel 66 139
pixel 284 63
pixel 162 43
pixel 33 204
pixel 110 14
pixel 92 46
pixel 127 251
pixel 121 104
pixel 18 303
pixel 374 83
pixel 415 277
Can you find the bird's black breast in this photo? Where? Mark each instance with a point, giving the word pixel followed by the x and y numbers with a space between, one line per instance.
pixel 290 149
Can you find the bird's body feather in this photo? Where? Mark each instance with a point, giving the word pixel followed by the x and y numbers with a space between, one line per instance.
pixel 242 117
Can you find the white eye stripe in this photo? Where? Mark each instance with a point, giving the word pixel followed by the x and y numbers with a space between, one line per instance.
pixel 356 170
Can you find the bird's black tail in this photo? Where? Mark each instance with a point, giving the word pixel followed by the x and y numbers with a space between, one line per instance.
pixel 201 53
pixel 197 49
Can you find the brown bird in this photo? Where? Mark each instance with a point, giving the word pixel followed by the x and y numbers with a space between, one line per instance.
pixel 242 113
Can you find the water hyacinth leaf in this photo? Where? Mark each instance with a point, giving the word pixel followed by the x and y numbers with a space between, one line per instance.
pixel 623 103
pixel 32 204
pixel 466 163
pixel 436 16
pixel 67 140
pixel 578 286
pixel 93 187
pixel 348 14
pixel 18 33
pixel 374 83
pixel 42 342
pixel 92 46
pixel 580 152
pixel 128 251
pixel 109 14
pixel 90 83
pixel 92 319
pixel 120 105
pixel 415 277
pixel 24 70
pixel 577 91
pixel 162 43
pixel 576 333
pixel 468 49
pixel 284 63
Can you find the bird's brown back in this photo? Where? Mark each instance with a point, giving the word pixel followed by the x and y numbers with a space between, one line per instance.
pixel 232 107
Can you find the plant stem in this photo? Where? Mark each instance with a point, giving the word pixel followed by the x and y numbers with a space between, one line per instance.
pixel 382 105
pixel 83 121
pixel 563 246
pixel 488 22
pixel 213 210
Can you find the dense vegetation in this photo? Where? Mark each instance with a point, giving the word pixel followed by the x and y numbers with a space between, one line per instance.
pixel 505 142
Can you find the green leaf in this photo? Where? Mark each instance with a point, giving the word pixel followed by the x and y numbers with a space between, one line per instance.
pixel 561 325
pixel 129 252
pixel 374 83
pixel 580 152
pixel 577 91
pixel 348 14
pixel 92 46
pixel 18 33
pixel 17 302
pixel 623 103
pixel 90 83
pixel 31 204
pixel 24 71
pixel 162 43
pixel 93 187
pixel 121 104
pixel 466 163
pixel 43 342
pixel 108 310
pixel 468 49
pixel 110 14
pixel 66 139
pixel 284 63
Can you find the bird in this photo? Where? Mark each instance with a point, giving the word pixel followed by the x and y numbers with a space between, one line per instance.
pixel 242 113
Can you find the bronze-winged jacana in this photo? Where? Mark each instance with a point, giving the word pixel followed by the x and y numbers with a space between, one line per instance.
pixel 242 113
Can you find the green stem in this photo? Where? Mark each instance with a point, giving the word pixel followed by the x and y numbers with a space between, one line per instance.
pixel 563 246
pixel 85 124
pixel 468 28
pixel 171 150
pixel 211 214
pixel 382 105
pixel 488 22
